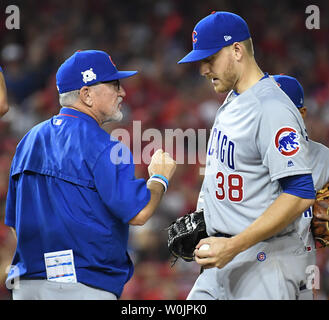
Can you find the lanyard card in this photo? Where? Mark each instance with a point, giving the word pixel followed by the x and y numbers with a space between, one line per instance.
pixel 60 266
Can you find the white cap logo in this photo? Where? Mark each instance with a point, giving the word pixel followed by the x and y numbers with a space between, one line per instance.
pixel 88 75
pixel 227 38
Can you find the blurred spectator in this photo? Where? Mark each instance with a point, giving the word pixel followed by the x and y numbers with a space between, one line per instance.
pixel 151 36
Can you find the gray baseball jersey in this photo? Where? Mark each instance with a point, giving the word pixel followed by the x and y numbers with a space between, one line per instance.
pixel 257 138
pixel 319 159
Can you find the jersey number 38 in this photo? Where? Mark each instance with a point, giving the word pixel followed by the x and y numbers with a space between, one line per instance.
pixel 232 187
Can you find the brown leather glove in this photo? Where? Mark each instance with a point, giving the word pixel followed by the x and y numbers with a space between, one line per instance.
pixel 320 220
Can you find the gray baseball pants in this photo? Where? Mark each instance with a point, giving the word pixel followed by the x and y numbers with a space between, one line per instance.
pixel 271 270
pixel 49 290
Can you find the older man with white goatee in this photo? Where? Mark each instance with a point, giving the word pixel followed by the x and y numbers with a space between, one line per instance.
pixel 70 199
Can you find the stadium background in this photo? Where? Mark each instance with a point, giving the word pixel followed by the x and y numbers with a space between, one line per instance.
pixel 151 36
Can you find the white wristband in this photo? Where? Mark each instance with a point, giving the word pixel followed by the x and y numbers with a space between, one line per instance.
pixel 160 181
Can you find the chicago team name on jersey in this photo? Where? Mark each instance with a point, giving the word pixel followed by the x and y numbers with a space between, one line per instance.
pixel 222 148
pixel 229 186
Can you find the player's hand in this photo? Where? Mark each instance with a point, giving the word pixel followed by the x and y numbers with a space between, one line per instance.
pixel 162 163
pixel 218 255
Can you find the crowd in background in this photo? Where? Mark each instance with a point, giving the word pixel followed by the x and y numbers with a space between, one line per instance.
pixel 151 36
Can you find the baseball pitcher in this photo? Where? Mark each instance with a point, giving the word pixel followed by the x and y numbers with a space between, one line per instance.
pixel 258 179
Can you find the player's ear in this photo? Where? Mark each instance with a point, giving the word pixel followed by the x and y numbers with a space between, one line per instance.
pixel 85 96
pixel 303 112
pixel 238 50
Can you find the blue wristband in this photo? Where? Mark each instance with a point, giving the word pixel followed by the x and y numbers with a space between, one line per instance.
pixel 1 69
pixel 162 178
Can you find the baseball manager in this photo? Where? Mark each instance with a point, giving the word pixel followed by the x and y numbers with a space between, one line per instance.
pixel 72 191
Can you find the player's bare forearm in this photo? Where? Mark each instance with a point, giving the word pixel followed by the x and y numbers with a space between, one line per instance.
pixel 163 165
pixel 3 96
pixel 146 213
pixel 283 211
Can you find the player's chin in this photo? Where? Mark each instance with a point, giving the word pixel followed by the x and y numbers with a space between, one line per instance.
pixel 220 88
pixel 117 117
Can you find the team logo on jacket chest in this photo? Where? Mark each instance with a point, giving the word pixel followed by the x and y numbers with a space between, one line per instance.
pixel 286 141
pixel 222 148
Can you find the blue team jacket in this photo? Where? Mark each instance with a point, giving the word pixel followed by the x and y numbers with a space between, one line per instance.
pixel 72 186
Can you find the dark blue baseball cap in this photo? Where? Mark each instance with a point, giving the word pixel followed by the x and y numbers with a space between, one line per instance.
pixel 212 33
pixel 85 68
pixel 292 88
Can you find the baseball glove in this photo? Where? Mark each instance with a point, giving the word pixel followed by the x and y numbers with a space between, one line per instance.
pixel 319 227
pixel 185 233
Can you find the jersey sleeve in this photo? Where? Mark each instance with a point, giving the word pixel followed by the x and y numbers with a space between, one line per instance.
pixel 115 181
pixel 299 185
pixel 282 141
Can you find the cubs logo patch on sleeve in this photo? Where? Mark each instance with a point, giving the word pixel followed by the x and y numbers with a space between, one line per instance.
pixel 286 141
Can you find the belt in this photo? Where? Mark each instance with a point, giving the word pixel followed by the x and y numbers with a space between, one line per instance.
pixel 303 287
pixel 221 234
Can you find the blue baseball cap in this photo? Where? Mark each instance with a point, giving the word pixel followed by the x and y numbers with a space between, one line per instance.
pixel 292 88
pixel 215 31
pixel 85 68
